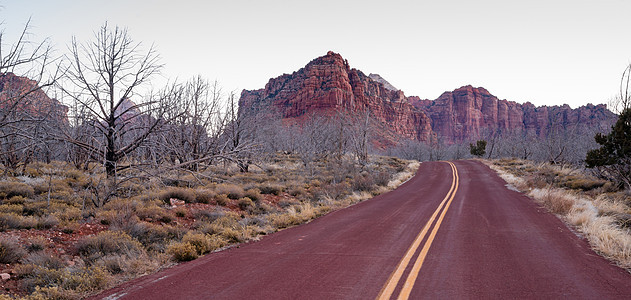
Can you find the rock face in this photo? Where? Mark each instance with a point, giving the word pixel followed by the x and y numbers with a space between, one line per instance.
pixel 468 113
pixel 386 84
pixel 22 95
pixel 328 83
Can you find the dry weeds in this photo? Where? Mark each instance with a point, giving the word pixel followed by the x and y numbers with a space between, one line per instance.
pixel 583 202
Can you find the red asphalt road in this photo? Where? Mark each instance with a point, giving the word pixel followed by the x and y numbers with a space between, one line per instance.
pixel 492 243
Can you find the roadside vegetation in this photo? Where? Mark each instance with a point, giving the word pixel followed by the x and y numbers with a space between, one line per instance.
pixel 56 243
pixel 596 208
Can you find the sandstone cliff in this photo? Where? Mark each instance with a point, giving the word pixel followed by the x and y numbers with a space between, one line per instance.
pixel 328 83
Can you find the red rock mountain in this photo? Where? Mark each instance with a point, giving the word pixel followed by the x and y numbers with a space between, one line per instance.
pixel 22 95
pixel 328 83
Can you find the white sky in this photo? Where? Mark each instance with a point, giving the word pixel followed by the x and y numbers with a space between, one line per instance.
pixel 547 52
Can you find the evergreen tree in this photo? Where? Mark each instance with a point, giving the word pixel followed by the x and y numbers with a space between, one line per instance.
pixel 614 155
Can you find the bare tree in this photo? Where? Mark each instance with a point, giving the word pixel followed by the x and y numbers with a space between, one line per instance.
pixel 106 78
pixel 27 69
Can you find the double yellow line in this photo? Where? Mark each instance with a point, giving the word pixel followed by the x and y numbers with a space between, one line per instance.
pixel 393 281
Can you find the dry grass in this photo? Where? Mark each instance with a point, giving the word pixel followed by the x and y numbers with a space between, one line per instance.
pixel 587 204
pixel 143 232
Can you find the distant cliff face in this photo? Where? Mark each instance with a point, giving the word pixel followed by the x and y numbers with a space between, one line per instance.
pixel 468 113
pixel 328 83
pixel 22 95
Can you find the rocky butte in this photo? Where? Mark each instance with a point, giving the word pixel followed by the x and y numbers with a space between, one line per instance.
pixel 328 83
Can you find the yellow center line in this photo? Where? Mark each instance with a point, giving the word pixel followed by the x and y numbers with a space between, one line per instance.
pixel 393 280
pixel 409 283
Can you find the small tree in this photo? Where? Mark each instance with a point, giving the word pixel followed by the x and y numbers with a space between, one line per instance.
pixel 614 155
pixel 613 158
pixel 479 149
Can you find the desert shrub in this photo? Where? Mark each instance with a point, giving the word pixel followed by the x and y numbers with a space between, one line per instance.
pixel 182 251
pixel 204 196
pixel 233 192
pixel 45 260
pixel 154 237
pixel 245 203
pixel 272 189
pixel 52 293
pixel 254 194
pixel 64 212
pixel 11 208
pixel 185 194
pixel 222 199
pixel 80 280
pixel 14 221
pixel 15 200
pixel 180 212
pixel 35 208
pixel 207 215
pixel 363 182
pixel 199 240
pixel 382 178
pixel 10 251
pixel 584 184
pixel 297 191
pixel 152 212
pixel 108 242
pixel 10 189
pixel 47 222
pixel 335 191
pixel 36 244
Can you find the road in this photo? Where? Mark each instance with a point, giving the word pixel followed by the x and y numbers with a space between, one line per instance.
pixel 453 231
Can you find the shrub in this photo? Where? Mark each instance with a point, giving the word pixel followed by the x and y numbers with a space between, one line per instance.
pixel 204 196
pixel 15 200
pixel 222 200
pixel 36 244
pixel 44 260
pixel 233 192
pixel 245 203
pixel 182 251
pixel 272 189
pixel 14 221
pixel 80 280
pixel 207 215
pixel 47 222
pixel 154 237
pixel 153 212
pixel 180 212
pixel 382 178
pixel 199 240
pixel 185 194
pixel 10 251
pixel 364 182
pixel 108 242
pixel 11 189
pixel 254 194
pixel 11 208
